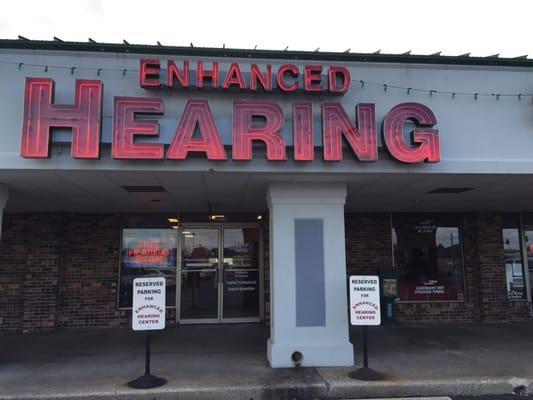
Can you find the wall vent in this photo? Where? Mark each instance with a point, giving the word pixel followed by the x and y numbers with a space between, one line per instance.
pixel 450 190
pixel 144 189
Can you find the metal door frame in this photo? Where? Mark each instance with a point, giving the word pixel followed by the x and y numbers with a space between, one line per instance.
pixel 525 266
pixel 219 226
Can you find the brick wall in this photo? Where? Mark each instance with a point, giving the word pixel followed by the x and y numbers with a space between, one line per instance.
pixel 61 271
pixel 13 256
pixel 368 243
pixel 89 272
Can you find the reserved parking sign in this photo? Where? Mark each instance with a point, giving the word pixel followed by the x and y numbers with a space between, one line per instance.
pixel 364 300
pixel 148 312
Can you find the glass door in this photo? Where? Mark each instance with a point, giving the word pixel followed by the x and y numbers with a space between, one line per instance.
pixel 220 274
pixel 199 275
pixel 240 271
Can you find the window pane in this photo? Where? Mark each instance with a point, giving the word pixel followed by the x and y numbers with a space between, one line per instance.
pixel 514 271
pixel 241 273
pixel 428 259
pixel 148 252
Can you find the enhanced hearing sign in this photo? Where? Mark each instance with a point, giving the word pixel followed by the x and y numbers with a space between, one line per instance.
pixel 148 304
pixel 364 300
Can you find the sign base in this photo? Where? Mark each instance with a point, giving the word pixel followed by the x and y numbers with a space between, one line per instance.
pixel 147 382
pixel 366 374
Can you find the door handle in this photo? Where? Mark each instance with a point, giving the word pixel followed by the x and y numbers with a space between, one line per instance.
pixel 221 274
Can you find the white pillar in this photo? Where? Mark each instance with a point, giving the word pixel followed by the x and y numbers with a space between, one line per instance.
pixel 3 201
pixel 309 305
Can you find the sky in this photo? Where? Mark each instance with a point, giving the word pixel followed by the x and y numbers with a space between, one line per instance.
pixel 454 27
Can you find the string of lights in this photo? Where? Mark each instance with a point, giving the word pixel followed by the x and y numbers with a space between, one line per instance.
pixel 363 83
pixel 452 94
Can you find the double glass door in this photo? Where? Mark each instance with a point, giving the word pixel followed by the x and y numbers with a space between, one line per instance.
pixel 220 274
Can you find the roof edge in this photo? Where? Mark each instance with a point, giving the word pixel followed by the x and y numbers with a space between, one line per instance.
pixel 435 59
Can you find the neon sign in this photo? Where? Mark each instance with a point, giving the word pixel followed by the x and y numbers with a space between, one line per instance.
pixel 84 117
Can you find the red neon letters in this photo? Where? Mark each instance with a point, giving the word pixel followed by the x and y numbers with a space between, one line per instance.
pixel 253 121
pixel 125 128
pixel 40 114
pixel 426 139
pixel 268 131
pixel 288 77
pixel 302 128
pixel 197 113
pixel 361 137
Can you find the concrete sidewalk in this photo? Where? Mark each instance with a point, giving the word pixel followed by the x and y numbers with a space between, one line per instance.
pixel 229 362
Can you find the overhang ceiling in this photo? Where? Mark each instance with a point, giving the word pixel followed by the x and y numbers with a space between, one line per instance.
pixel 100 191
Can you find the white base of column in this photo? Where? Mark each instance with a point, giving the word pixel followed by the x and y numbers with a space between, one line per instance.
pixel 314 323
pixel 340 355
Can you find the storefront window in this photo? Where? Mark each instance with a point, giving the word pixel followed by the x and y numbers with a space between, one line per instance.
pixel 148 252
pixel 427 252
pixel 514 267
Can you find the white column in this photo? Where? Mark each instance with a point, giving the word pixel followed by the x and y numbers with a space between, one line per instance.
pixel 309 307
pixel 3 201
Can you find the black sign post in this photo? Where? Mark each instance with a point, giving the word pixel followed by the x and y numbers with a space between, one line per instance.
pixel 365 373
pixel 365 310
pixel 147 381
pixel 148 313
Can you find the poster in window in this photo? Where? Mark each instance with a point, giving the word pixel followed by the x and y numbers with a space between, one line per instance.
pixel 149 248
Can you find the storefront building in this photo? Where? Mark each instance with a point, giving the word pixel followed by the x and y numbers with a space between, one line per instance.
pixel 256 181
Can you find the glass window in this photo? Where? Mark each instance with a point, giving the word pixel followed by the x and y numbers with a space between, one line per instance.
pixel 148 252
pixel 427 252
pixel 512 253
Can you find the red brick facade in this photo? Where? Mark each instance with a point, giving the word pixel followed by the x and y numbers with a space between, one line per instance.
pixel 61 271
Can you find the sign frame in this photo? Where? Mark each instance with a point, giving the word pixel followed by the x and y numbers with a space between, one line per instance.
pixel 149 295
pixel 365 300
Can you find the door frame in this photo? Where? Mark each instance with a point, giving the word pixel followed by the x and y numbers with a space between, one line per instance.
pixel 525 261
pixel 220 226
